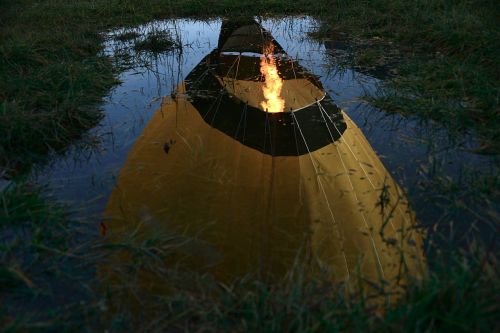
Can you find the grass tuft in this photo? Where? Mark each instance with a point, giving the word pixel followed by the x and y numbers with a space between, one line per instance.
pixel 156 42
pixel 127 35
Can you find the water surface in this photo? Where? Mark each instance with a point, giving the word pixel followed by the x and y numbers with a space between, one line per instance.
pixel 85 177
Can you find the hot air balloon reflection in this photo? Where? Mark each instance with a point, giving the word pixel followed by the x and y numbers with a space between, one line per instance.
pixel 254 153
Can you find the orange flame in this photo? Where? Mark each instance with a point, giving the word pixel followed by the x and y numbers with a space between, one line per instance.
pixel 272 84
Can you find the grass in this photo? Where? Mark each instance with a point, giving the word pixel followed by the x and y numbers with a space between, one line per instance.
pixel 446 67
pixel 37 243
pixel 50 85
pixel 128 35
pixel 155 42
pixel 442 62
pixel 48 283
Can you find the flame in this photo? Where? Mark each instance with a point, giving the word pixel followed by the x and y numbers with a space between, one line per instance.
pixel 272 84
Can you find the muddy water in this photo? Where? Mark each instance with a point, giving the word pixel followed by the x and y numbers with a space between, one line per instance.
pixel 85 176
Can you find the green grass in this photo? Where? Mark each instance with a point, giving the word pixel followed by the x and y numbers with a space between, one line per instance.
pixel 128 35
pixel 37 245
pixel 48 277
pixel 446 60
pixel 155 42
pixel 50 84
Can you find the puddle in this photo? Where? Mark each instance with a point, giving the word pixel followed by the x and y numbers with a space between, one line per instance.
pixel 186 139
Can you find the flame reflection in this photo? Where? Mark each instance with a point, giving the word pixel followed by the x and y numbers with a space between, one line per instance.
pixel 272 82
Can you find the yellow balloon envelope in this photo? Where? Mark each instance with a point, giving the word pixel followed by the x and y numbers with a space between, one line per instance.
pixel 257 187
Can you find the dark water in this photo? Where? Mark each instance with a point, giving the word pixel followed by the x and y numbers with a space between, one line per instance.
pixel 410 149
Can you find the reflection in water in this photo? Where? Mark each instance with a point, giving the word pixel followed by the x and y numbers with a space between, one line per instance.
pixel 257 187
